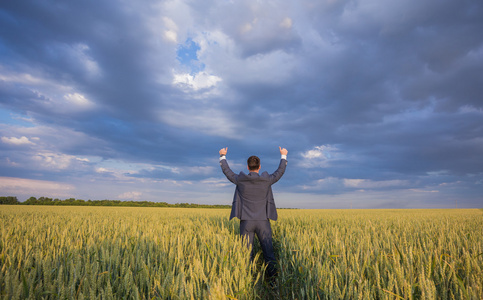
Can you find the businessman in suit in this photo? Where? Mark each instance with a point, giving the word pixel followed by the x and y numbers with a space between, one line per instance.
pixel 254 205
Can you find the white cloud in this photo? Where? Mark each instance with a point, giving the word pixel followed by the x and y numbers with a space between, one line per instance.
pixel 21 78
pixel 130 195
pixel 324 183
pixel 196 82
pixel 50 94
pixel 171 36
pixel 470 109
pixel 56 161
pixel 82 159
pixel 209 121
pixel 30 187
pixel 221 54
pixel 171 31
pixel 245 28
pixel 79 53
pixel 370 184
pixel 423 191
pixel 17 141
pixel 10 162
pixel 334 183
pixel 286 23
pixel 78 100
pixel 320 156
pixel 102 170
pixel 216 182
pixel 199 170
pixel 68 103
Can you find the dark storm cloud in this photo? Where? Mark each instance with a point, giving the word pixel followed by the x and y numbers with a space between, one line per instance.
pixel 63 39
pixel 366 95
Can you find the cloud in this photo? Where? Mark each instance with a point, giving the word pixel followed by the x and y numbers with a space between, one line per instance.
pixel 17 141
pixel 29 187
pixel 196 82
pixel 370 98
pixel 78 100
pixel 170 32
pixel 321 156
pixel 334 185
pixel 210 122
pixel 130 195
pixel 370 184
pixel 323 152
pixel 286 23
pixel 76 57
pixel 55 161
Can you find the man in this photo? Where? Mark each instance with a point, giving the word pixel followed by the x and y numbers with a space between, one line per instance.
pixel 254 205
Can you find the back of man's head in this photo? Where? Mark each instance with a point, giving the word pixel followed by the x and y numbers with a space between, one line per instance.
pixel 253 163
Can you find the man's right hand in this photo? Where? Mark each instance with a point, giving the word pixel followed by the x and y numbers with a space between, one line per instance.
pixel 283 151
pixel 223 151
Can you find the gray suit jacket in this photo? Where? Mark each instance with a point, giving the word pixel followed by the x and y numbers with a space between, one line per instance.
pixel 253 199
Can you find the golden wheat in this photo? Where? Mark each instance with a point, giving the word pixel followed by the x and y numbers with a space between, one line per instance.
pixel 171 253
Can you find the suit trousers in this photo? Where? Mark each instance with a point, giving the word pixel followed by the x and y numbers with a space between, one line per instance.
pixel 263 230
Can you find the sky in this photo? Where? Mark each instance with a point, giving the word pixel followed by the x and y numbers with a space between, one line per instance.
pixel 379 103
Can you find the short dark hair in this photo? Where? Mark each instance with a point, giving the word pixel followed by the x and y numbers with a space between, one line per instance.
pixel 253 163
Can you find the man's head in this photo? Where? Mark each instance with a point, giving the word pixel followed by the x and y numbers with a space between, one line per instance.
pixel 253 163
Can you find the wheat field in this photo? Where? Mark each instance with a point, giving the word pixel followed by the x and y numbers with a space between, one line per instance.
pixel 172 253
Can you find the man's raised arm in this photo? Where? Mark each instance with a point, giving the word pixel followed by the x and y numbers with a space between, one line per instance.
pixel 224 166
pixel 281 168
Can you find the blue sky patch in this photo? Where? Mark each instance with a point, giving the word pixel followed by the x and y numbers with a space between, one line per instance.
pixel 187 56
pixel 11 118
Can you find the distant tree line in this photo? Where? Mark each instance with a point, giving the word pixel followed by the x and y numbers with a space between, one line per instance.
pixel 79 202
pixel 9 200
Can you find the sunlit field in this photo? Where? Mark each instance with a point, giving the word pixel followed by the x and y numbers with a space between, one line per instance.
pixel 171 253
